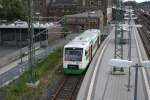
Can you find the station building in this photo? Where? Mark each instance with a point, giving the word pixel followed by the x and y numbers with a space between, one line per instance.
pixel 17 35
pixel 85 20
pixel 67 7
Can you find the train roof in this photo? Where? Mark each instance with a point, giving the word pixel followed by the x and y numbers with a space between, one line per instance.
pixel 84 39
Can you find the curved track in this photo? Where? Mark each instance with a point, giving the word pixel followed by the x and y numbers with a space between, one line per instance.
pixel 144 32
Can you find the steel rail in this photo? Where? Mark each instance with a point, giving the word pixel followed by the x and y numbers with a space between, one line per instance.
pixel 145 78
pixel 67 88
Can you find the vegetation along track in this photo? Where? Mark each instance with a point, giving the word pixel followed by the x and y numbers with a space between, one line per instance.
pixel 144 31
pixel 67 89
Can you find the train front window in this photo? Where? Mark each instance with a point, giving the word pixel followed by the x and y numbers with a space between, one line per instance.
pixel 73 54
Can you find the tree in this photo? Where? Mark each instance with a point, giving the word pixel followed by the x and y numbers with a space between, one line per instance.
pixel 12 10
pixel 130 3
pixel 65 30
pixel 0 3
pixel 146 3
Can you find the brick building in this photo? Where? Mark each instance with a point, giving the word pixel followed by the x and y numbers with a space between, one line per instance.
pixel 52 7
pixel 60 8
pixel 65 7
pixel 41 6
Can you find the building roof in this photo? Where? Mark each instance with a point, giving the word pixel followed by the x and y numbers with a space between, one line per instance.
pixel 25 25
pixel 94 14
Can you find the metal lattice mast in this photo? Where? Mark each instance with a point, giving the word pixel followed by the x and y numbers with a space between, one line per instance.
pixel 118 51
pixel 31 48
pixel 118 32
pixel 104 9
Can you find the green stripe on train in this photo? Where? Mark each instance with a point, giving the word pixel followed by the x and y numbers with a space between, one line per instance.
pixel 73 71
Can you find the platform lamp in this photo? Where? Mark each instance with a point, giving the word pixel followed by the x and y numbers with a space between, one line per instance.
pixel 127 64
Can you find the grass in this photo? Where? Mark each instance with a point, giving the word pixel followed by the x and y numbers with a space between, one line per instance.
pixel 18 90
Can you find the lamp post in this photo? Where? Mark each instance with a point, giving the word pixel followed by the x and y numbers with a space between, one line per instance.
pixel 38 15
pixel 129 50
pixel 136 81
pixel 130 26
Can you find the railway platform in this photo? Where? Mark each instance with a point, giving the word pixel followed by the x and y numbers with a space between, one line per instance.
pixel 100 84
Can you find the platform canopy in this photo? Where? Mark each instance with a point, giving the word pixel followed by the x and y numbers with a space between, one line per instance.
pixel 146 63
pixel 121 63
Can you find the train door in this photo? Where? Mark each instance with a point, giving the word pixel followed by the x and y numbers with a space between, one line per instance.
pixel 90 51
pixel 98 42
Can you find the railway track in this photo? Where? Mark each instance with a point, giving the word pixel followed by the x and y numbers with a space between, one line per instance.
pixel 145 32
pixel 67 89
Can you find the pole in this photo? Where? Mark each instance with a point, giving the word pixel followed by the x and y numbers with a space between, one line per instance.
pixel 20 46
pixel 129 50
pixel 31 55
pixel 136 81
pixel 38 15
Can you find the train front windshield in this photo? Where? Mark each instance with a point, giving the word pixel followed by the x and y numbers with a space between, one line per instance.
pixel 73 54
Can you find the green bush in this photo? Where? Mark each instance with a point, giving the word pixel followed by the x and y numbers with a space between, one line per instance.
pixel 12 10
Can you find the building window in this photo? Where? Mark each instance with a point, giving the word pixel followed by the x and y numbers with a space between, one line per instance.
pixel 67 10
pixel 41 3
pixel 63 10
pixel 91 3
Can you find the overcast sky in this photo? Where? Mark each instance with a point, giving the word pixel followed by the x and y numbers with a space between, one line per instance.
pixel 138 0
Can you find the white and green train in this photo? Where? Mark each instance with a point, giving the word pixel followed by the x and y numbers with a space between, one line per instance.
pixel 79 52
